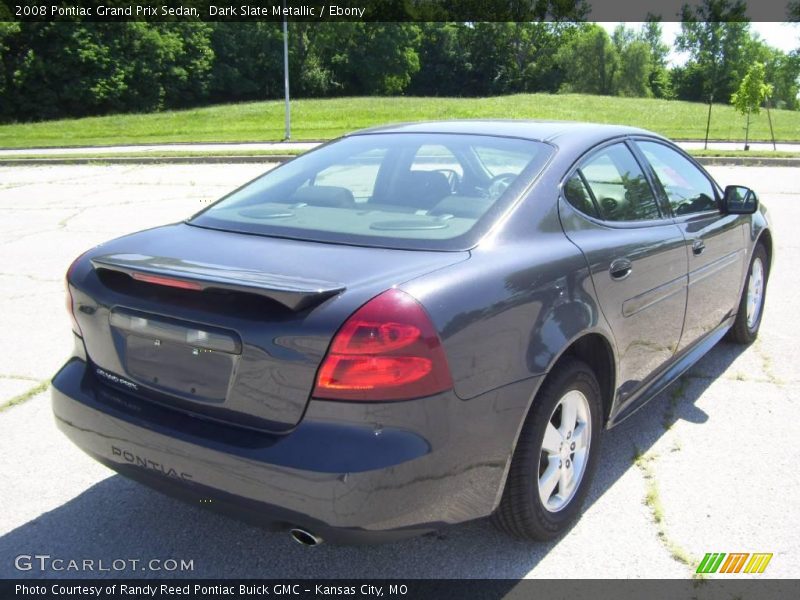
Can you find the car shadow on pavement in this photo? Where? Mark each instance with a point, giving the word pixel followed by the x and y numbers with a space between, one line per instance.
pixel 119 519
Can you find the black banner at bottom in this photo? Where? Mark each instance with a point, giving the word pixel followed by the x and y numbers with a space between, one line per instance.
pixel 135 589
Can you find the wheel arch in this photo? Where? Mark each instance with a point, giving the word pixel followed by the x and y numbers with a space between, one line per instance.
pixel 594 349
pixel 765 238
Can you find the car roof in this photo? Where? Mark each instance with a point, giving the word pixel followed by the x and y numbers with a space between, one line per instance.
pixel 559 132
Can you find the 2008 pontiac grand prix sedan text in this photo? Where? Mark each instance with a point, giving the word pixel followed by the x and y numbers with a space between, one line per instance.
pixel 410 326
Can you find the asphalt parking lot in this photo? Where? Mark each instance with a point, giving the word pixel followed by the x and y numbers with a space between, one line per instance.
pixel 708 466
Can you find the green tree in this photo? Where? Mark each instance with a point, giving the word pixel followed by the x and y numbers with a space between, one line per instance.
pixel 76 69
pixel 186 58
pixel 783 73
pixel 444 63
pixel 7 33
pixel 309 75
pixel 632 76
pixel 491 58
pixel 689 83
pixel 781 70
pixel 752 91
pixel 658 78
pixel 543 72
pixel 520 56
pixel 751 94
pixel 248 62
pixel 714 35
pixel 590 61
pixel 368 58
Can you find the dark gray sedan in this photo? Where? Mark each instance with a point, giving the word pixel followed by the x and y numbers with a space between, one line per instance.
pixel 410 326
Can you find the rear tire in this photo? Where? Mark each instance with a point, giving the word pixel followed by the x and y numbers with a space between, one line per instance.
pixel 751 305
pixel 559 440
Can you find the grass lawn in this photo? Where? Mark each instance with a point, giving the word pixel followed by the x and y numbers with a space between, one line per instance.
pixel 324 119
pixel 100 157
pixel 153 154
pixel 745 154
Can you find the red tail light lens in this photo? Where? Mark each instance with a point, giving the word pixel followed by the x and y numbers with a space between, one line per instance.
pixel 387 350
pixel 167 281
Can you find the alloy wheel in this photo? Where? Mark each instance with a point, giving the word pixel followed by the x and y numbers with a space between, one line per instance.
pixel 755 292
pixel 565 451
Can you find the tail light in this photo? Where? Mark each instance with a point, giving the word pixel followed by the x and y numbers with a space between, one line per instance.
pixel 387 350
pixel 167 281
pixel 70 305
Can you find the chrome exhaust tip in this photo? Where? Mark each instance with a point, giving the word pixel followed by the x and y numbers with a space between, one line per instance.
pixel 306 538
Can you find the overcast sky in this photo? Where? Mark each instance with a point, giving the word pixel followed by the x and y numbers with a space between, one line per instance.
pixel 785 36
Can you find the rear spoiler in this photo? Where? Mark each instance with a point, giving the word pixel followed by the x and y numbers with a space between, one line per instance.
pixel 295 293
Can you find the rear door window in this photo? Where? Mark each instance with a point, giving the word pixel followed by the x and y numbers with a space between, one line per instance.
pixel 618 185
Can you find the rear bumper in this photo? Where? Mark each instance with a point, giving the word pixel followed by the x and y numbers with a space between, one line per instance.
pixel 349 472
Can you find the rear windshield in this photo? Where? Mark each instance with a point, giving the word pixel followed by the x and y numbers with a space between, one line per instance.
pixel 400 190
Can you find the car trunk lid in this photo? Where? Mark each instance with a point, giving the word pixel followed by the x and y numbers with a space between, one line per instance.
pixel 227 326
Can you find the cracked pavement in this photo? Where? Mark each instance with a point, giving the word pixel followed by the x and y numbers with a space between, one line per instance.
pixel 720 446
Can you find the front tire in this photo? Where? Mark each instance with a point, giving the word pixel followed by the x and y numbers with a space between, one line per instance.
pixel 556 455
pixel 751 305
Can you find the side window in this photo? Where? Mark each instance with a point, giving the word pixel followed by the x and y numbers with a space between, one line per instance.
pixel 619 186
pixel 688 190
pixel 578 195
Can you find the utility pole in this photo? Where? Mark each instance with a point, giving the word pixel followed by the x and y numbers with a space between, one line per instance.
pixel 287 110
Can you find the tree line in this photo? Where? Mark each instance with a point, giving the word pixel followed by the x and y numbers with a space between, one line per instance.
pixel 53 70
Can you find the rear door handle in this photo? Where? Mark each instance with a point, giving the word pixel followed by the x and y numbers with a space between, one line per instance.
pixel 620 269
pixel 698 246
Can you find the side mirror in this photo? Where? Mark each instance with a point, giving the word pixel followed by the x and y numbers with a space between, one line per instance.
pixel 739 200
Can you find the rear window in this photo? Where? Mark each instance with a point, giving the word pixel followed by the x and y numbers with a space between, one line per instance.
pixel 401 190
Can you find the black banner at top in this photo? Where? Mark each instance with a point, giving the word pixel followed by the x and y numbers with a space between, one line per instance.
pixel 390 10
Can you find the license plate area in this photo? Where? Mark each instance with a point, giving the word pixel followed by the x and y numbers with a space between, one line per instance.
pixel 190 361
pixel 196 373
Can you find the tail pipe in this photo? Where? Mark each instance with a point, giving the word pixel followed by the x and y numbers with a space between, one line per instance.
pixel 304 537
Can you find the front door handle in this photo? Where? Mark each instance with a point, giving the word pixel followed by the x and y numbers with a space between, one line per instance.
pixel 620 269
pixel 698 246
